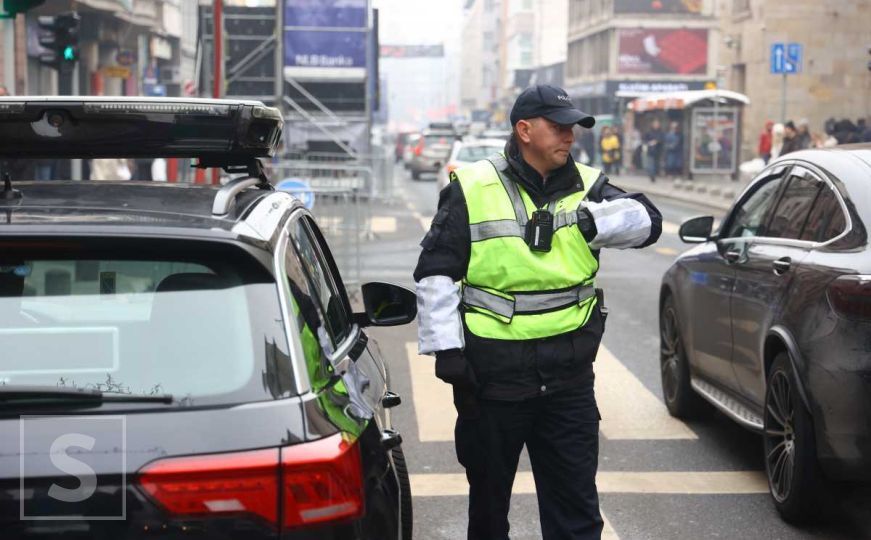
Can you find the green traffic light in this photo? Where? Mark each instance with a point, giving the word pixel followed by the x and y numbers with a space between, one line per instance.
pixel 69 53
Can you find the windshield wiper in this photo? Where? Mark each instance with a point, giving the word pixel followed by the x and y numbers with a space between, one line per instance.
pixel 53 394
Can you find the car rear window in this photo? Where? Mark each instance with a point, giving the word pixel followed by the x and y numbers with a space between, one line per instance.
pixel 477 153
pixel 201 321
pixel 431 140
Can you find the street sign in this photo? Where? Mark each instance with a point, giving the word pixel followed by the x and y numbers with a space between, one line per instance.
pixel 299 189
pixel 786 58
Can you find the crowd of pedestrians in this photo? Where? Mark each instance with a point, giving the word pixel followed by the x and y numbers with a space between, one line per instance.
pixel 780 139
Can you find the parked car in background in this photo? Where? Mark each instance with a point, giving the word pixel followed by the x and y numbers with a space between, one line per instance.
pixel 184 360
pixel 466 152
pixel 431 152
pixel 769 320
pixel 411 144
pixel 402 141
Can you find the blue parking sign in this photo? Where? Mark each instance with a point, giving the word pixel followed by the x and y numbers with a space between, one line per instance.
pixel 299 189
pixel 786 58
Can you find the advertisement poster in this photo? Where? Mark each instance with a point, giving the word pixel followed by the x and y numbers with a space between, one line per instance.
pixel 714 136
pixel 662 51
pixel 325 33
pixel 658 6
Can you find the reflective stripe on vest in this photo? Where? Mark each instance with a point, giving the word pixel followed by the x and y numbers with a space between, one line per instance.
pixel 509 291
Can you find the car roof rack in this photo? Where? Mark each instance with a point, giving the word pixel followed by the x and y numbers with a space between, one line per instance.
pixel 226 196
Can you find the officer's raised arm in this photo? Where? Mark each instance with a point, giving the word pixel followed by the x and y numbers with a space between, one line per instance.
pixel 621 220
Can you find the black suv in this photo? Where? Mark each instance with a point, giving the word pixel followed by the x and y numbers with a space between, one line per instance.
pixel 183 361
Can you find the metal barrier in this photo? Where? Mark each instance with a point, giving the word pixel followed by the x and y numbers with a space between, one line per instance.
pixel 343 191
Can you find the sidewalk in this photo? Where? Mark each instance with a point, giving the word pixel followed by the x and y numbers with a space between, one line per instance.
pixel 714 193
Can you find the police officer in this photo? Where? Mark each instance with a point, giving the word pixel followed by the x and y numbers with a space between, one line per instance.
pixel 507 304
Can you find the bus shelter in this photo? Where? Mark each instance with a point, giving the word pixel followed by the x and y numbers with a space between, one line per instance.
pixel 710 121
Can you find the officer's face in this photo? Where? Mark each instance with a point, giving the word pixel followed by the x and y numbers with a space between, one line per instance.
pixel 551 142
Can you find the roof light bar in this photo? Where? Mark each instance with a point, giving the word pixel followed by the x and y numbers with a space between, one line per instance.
pixel 159 108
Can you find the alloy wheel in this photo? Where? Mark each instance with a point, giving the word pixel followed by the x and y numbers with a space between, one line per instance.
pixel 670 354
pixel 780 436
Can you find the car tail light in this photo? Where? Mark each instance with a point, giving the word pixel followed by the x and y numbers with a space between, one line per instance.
pixel 238 483
pixel 851 296
pixel 418 150
pixel 296 485
pixel 322 481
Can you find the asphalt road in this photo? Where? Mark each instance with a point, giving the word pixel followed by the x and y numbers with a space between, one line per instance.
pixel 658 478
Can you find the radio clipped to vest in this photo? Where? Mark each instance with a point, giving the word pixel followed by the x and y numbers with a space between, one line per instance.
pixel 539 231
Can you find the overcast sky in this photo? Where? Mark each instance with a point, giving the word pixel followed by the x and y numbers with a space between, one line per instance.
pixel 416 87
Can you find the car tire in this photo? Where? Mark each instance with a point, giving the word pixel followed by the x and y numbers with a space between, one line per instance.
pixel 415 175
pixel 680 398
pixel 405 504
pixel 794 474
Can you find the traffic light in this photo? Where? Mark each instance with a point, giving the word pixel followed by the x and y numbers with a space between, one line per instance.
pixel 60 35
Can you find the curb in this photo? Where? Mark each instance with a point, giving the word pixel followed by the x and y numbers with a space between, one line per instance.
pixel 702 195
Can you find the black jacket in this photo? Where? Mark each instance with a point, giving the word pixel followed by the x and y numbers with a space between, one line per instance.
pixel 516 370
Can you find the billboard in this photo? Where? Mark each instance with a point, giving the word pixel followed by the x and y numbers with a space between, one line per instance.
pixel 678 51
pixel 658 6
pixel 412 51
pixel 325 35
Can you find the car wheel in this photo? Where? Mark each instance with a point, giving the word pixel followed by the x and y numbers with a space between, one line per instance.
pixel 415 175
pixel 405 495
pixel 680 398
pixel 794 475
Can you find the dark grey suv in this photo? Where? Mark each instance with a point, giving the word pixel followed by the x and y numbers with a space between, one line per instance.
pixel 769 319
pixel 183 361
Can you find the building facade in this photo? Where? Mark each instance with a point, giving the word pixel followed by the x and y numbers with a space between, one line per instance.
pixel 126 47
pixel 481 58
pixel 832 78
pixel 621 49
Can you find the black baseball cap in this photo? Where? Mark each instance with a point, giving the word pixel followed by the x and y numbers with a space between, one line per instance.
pixel 549 102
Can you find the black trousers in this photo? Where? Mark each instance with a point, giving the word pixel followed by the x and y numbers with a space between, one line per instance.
pixel 561 434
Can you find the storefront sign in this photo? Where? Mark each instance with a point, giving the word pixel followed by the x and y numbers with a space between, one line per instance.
pixel 161 48
pixel 125 57
pixel 658 6
pixel 660 50
pixel 652 87
pixel 116 72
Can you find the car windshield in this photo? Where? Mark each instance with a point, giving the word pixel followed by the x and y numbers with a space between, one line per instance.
pixel 476 153
pixel 201 322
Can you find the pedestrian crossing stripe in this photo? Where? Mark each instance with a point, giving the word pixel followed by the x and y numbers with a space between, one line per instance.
pixel 629 410
pixel 617 482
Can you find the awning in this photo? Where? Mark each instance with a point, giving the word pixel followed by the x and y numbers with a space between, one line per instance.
pixel 680 100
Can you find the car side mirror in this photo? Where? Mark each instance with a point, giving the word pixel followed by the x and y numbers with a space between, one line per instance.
pixel 696 230
pixel 386 305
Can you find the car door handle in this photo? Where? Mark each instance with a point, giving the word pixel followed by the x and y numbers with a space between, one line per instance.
pixel 781 266
pixel 732 256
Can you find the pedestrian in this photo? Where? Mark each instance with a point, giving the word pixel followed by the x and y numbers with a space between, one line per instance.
pixel 864 130
pixel 790 138
pixel 653 142
pixel 776 140
pixel 506 303
pixel 674 150
pixel 611 155
pixel 803 135
pixel 588 145
pixel 763 150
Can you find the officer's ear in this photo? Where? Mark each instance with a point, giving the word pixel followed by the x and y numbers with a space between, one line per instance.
pixel 523 130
